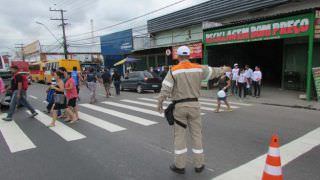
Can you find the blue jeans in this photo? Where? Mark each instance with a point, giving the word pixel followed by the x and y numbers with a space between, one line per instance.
pixel 15 101
pixel 117 87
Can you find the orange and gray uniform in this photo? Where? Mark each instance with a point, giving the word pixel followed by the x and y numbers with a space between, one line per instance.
pixel 187 84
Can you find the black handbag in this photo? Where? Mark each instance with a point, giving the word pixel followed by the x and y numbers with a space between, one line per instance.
pixel 168 113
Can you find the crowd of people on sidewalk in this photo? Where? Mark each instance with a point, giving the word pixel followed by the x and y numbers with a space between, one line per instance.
pixel 241 81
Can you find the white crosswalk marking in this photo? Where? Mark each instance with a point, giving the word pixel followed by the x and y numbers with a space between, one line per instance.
pixel 167 102
pixel 235 103
pixel 16 139
pixel 212 104
pixel 146 111
pixel 146 104
pixel 140 103
pixel 121 115
pixel 61 129
pixel 100 123
pixel 33 97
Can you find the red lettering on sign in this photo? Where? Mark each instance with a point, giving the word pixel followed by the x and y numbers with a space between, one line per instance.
pixel 304 28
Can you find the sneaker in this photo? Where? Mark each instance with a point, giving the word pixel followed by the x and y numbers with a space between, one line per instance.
pixel 34 115
pixel 229 110
pixel 7 119
pixel 177 170
pixel 200 169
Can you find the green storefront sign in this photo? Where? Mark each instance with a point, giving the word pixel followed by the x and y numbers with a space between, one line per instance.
pixel 294 26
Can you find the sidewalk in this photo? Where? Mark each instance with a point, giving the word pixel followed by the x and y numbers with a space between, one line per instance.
pixel 272 96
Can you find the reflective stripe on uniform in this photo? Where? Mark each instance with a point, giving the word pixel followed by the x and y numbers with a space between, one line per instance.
pixel 275 152
pixel 273 170
pixel 179 152
pixel 210 73
pixel 192 70
pixel 167 83
pixel 197 151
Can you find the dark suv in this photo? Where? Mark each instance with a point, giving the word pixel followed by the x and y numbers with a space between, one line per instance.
pixel 140 81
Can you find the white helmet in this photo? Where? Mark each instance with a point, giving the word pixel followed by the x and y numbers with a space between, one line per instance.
pixel 221 94
pixel 183 51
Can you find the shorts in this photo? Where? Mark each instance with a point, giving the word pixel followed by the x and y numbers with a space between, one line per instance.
pixel 222 99
pixel 107 85
pixel 59 106
pixel 72 102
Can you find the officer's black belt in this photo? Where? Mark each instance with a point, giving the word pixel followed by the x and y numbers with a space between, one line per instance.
pixel 169 111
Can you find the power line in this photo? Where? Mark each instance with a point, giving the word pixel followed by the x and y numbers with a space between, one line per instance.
pixel 132 19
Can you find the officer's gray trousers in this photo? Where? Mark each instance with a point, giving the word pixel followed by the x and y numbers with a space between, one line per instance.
pixel 192 117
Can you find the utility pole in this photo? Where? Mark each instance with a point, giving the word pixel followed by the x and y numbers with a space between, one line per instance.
pixel 92 40
pixel 65 46
pixel 21 47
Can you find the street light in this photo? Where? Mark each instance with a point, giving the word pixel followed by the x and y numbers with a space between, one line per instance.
pixel 49 31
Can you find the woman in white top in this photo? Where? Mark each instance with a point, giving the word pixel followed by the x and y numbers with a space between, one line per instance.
pixel 242 83
pixel 256 82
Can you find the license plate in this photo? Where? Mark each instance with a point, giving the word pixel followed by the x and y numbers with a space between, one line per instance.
pixel 155 86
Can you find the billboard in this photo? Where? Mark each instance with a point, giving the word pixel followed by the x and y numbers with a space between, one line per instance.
pixel 288 27
pixel 32 48
pixel 195 51
pixel 119 43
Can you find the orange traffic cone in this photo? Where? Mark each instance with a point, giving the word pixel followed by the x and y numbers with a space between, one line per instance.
pixel 273 170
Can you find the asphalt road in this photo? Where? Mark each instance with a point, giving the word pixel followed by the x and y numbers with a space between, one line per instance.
pixel 123 138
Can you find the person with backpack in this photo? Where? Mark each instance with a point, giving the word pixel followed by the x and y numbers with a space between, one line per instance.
pixel 50 95
pixel 92 85
pixel 116 78
pixel 19 86
pixel 77 79
pixel 106 78
pixel 2 91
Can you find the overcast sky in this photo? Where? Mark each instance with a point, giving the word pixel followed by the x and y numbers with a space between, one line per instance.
pixel 18 17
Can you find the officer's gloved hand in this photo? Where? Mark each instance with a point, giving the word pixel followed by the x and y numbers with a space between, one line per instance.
pixel 160 107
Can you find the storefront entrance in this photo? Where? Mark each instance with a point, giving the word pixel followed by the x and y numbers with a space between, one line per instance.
pixel 266 54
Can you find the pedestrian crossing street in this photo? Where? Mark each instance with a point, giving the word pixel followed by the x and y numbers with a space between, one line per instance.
pixel 17 140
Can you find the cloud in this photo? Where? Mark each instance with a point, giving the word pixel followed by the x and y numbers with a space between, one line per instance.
pixel 18 17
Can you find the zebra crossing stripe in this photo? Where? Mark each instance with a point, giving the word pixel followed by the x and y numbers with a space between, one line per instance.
pixel 100 123
pixel 145 104
pixel 234 103
pixel 212 104
pixel 121 115
pixel 60 129
pixel 15 138
pixel 139 103
pixel 167 102
pixel 146 111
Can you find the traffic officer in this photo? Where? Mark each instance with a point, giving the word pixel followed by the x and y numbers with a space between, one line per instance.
pixel 183 84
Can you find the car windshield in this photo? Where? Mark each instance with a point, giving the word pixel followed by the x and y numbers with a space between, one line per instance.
pixel 148 75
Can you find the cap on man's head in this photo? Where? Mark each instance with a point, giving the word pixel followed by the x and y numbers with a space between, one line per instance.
pixel 183 51
pixel 236 64
pixel 14 67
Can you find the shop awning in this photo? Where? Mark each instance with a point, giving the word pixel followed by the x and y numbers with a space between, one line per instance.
pixel 126 60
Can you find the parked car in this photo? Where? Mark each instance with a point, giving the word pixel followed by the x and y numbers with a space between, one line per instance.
pixel 141 81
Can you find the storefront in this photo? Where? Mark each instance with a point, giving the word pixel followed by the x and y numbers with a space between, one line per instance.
pixel 195 52
pixel 116 47
pixel 283 46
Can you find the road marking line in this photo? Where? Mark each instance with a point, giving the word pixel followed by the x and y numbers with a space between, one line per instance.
pixel 45 102
pixel 253 170
pixel 33 97
pixel 234 103
pixel 146 111
pixel 145 104
pixel 16 139
pixel 168 102
pixel 215 105
pixel 121 115
pixel 100 123
pixel 60 129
